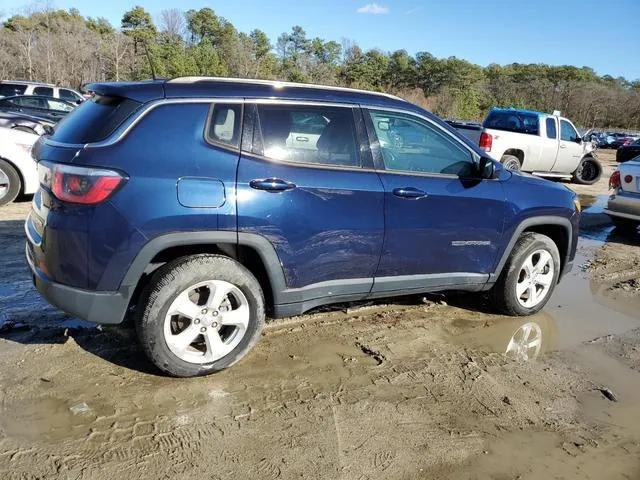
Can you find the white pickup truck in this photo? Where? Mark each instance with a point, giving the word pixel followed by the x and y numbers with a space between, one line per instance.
pixel 539 143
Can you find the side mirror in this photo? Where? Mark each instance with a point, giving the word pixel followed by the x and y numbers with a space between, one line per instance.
pixel 578 140
pixel 48 129
pixel 486 168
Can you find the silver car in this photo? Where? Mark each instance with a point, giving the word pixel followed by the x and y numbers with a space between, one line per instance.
pixel 624 203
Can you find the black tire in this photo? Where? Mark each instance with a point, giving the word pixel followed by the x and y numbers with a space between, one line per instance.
pixel 172 279
pixel 511 162
pixel 15 185
pixel 503 292
pixel 624 224
pixel 588 172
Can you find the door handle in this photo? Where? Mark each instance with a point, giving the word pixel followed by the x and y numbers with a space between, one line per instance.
pixel 563 146
pixel 409 192
pixel 271 184
pixel 302 139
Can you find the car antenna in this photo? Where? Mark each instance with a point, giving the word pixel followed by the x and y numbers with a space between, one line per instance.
pixel 146 51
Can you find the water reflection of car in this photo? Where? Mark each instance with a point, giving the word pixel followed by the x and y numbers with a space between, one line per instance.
pixel 520 339
pixel 623 205
pixel 48 108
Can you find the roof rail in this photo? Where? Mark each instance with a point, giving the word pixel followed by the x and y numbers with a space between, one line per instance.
pixel 28 82
pixel 277 84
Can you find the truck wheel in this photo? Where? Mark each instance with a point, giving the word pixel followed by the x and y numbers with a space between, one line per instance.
pixel 200 314
pixel 511 162
pixel 10 183
pixel 529 276
pixel 588 171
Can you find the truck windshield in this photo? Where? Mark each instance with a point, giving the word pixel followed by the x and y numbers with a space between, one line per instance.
pixel 513 121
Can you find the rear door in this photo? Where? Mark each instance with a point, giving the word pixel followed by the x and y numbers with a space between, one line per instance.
pixel 318 201
pixel 443 225
pixel 549 140
pixel 570 148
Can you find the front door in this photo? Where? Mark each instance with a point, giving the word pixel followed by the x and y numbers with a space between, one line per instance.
pixel 442 224
pixel 570 149
pixel 308 187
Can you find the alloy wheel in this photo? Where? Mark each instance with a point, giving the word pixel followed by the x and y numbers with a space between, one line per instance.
pixel 206 321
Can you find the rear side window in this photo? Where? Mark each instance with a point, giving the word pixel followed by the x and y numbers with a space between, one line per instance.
pixel 94 120
pixel 224 124
pixel 551 128
pixel 46 91
pixel 309 134
pixel 9 89
pixel 513 121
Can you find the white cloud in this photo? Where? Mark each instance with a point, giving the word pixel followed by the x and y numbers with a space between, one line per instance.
pixel 373 8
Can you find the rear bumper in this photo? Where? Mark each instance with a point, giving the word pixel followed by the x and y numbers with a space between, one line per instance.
pixel 96 307
pixel 624 205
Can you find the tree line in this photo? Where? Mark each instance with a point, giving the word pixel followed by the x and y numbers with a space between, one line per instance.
pixel 67 48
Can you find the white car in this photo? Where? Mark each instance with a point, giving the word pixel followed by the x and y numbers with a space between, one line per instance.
pixel 18 171
pixel 9 88
pixel 624 203
pixel 544 144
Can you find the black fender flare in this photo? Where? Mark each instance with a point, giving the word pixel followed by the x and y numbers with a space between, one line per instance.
pixel 533 222
pixel 260 244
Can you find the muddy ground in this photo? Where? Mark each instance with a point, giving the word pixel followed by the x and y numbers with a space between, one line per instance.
pixel 417 388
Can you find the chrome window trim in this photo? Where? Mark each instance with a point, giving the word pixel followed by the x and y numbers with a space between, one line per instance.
pixel 317 166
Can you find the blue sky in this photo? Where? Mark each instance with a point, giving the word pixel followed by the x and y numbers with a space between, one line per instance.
pixel 597 33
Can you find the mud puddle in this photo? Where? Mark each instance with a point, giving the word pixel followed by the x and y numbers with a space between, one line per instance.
pixel 414 388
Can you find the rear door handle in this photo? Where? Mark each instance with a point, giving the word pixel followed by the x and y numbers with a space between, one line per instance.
pixel 409 192
pixel 302 139
pixel 271 184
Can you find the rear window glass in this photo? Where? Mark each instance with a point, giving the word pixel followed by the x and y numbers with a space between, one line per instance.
pixel 9 89
pixel 94 120
pixel 513 121
pixel 551 128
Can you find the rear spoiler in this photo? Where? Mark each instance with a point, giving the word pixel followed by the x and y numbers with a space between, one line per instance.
pixel 144 91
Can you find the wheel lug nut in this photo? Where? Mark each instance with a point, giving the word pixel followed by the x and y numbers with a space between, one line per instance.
pixel 214 324
pixel 204 311
pixel 203 329
pixel 214 313
pixel 196 321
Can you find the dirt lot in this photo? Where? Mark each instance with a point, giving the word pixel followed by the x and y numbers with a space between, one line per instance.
pixel 419 388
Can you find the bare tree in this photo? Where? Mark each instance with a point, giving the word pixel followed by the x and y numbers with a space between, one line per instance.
pixel 172 23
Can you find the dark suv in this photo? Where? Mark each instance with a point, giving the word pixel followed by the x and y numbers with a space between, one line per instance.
pixel 198 204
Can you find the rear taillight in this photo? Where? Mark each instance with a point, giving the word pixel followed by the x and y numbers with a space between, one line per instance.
pixel 486 141
pixel 614 180
pixel 83 185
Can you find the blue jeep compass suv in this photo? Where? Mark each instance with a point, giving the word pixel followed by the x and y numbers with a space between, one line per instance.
pixel 199 205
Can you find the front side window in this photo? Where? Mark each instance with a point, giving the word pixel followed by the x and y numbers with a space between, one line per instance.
pixel 309 134
pixel 224 124
pixel 58 106
pixel 69 95
pixel 567 132
pixel 411 144
pixel 45 91
pixel 551 128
